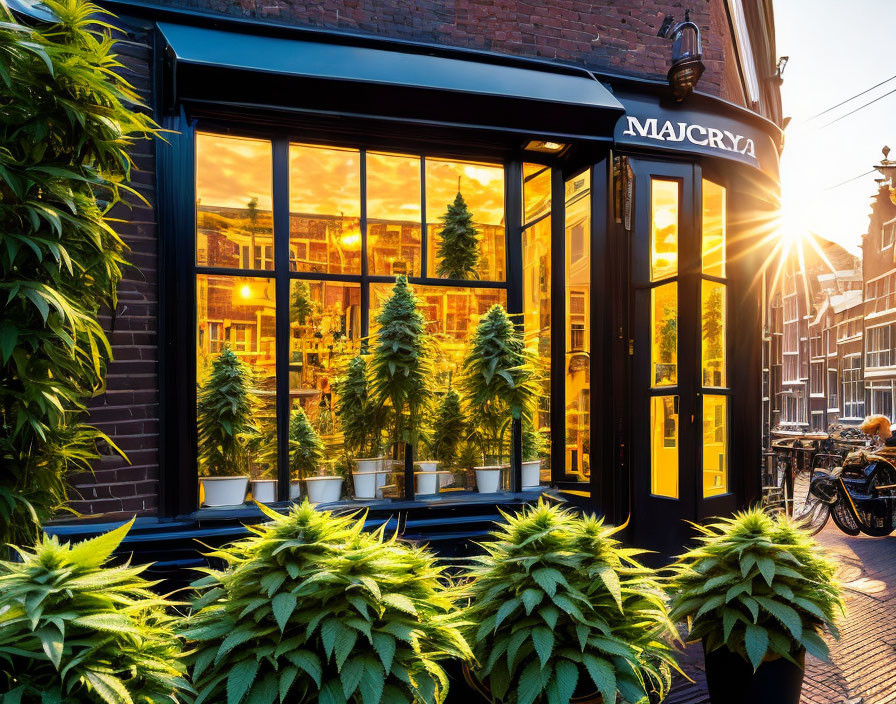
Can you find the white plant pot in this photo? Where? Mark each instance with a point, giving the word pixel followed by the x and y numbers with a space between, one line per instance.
pixel 224 491
pixel 323 490
pixel 427 482
pixel 531 474
pixel 366 484
pixel 264 490
pixel 295 490
pixel 371 464
pixel 488 479
pixel 427 465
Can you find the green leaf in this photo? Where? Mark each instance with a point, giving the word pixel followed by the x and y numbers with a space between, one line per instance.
pixel 532 682
pixel 283 605
pixel 400 602
pixel 548 578
pixel 815 645
pixel 767 568
pixel 265 690
pixel 308 662
pixel 531 598
pixel 543 640
pixel 756 642
pixel 95 552
pixel 506 609
pixel 611 581
pixel 109 687
pixel 784 614
pixel 240 679
pixel 51 641
pixel 566 674
pixel 603 674
pixel 384 644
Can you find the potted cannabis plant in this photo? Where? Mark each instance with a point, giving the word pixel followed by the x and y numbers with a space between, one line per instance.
pixel 458 250
pixel 499 381
pixel 76 631
pixel 535 448
pixel 312 608
pixel 227 430
pixel 400 366
pixel 361 420
pixel 759 593
pixel 559 611
pixel 306 453
pixel 445 439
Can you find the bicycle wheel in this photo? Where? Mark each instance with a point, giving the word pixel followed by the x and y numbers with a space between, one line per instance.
pixel 808 510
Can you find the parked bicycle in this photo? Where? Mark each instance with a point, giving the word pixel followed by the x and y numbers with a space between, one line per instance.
pixel 858 491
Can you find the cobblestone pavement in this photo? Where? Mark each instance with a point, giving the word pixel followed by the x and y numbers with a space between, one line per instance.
pixel 863 662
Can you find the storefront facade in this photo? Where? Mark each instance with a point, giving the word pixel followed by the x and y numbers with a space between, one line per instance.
pixel 305 169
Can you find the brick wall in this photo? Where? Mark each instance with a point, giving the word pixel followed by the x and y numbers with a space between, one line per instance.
pixel 615 35
pixel 129 410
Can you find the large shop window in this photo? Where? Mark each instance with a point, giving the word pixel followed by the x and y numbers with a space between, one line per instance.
pixel 355 219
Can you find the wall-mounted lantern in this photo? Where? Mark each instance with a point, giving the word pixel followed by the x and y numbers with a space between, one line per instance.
pixel 687 54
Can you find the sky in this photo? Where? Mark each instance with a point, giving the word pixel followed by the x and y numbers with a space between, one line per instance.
pixel 836 49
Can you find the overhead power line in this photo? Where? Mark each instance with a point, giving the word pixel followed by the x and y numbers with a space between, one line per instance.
pixel 861 107
pixel 849 100
pixel 849 180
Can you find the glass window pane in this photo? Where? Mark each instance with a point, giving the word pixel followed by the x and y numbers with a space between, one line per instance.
pixel 715 445
pixel 481 187
pixel 324 209
pixel 234 219
pixel 664 446
pixel 393 214
pixel 714 333
pixel 236 314
pixel 537 317
pixel 714 223
pixel 664 199
pixel 536 191
pixel 664 344
pixel 578 329
pixel 324 334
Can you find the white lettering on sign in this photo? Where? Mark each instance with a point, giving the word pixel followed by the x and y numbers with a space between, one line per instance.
pixel 697 135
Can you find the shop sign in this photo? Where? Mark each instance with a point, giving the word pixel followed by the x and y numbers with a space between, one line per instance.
pixel 696 134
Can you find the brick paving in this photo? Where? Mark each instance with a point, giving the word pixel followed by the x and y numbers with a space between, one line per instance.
pixel 863 662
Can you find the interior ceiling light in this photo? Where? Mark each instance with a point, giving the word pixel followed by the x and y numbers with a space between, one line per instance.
pixel 687 55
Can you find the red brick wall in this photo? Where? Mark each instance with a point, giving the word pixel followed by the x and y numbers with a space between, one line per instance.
pixel 614 35
pixel 129 410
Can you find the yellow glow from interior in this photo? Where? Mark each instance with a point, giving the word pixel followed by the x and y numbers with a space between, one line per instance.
pixel 351 240
pixel 715 445
pixel 664 197
pixel 664 446
pixel 246 291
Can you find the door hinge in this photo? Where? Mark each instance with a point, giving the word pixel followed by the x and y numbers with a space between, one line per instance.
pixel 631 348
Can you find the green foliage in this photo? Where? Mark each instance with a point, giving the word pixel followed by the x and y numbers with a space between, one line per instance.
pixel 306 449
pixel 227 428
pixel 500 378
pixel 757 585
pixel 400 364
pixel 535 446
pixel 713 331
pixel 73 630
pixel 359 416
pixel 458 250
pixel 312 608
pixel 668 334
pixel 68 121
pixel 447 430
pixel 301 302
pixel 558 607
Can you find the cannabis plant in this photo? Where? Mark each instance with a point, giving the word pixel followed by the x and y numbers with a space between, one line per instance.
pixel 75 631
pixel 226 417
pixel 558 608
pixel 499 378
pixel 400 363
pixel 301 302
pixel 313 608
pixel 535 446
pixel 360 418
pixel 458 249
pixel 69 120
pixel 306 449
pixel 448 430
pixel 759 586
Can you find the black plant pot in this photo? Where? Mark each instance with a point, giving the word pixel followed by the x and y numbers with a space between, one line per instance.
pixel 731 680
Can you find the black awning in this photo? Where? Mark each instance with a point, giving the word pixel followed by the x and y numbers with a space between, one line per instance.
pixel 210 65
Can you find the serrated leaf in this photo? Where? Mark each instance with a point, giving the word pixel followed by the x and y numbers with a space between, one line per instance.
pixel 566 675
pixel 400 602
pixel 543 640
pixel 240 679
pixel 603 674
pixel 785 614
pixel 282 606
pixel 756 642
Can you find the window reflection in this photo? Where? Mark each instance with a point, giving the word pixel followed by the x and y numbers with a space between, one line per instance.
pixel 664 446
pixel 537 317
pixel 578 328
pixel 664 335
pixel 324 209
pixel 238 313
pixel 714 220
pixel 713 337
pixel 536 191
pixel 393 214
pixel 715 445
pixel 664 198
pixel 234 221
pixel 482 189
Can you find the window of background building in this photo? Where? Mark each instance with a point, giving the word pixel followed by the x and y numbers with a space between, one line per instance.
pixel 833 385
pixel 879 345
pixel 888 233
pixel 853 403
pixel 880 395
pixel 816 379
